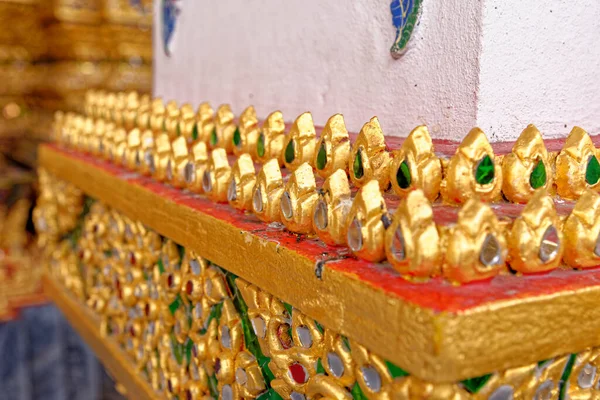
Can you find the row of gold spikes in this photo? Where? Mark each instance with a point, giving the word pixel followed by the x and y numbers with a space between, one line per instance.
pixel 414 166
pixel 477 247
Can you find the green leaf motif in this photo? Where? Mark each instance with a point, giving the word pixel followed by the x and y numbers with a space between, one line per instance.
pixel 405 14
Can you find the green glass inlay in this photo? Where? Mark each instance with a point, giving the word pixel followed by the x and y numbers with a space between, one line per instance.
pixel 322 157
pixel 403 177
pixel 213 386
pixel 260 145
pixel 357 393
pixel 288 307
pixel 592 172
pixel 484 173
pixel 540 363
pixel 213 137
pixel 564 379
pixel 195 132
pixel 237 137
pixel 164 127
pixel 178 129
pixel 290 151
pixel 319 327
pixel 346 343
pixel 215 313
pixel 181 252
pixel 474 385
pixel 320 369
pixel 161 266
pixel 177 349
pixel 250 339
pixel 188 350
pixel 395 371
pixel 537 178
pixel 357 167
pixel 270 394
pixel 175 304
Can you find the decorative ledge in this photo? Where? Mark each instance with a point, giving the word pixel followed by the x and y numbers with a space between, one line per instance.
pixel 436 331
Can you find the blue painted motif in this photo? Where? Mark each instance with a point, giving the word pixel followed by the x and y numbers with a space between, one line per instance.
pixel 170 13
pixel 405 14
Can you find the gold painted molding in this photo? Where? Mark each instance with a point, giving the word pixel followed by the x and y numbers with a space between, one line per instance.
pixel 432 345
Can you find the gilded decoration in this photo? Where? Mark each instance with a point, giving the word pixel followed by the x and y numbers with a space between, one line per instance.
pixel 476 244
pixel 192 329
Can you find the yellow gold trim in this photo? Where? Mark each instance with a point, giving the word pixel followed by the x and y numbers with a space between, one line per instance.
pixel 438 347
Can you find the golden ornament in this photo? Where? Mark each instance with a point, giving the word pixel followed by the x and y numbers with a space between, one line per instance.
pixel 473 171
pixel 331 209
pixel 298 200
pixel 415 166
pixel 412 242
pixel 365 230
pixel 369 158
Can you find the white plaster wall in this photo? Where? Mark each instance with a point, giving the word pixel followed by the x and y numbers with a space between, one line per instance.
pixel 540 64
pixel 327 57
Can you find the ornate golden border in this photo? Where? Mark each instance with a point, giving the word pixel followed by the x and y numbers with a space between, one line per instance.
pixel 435 346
